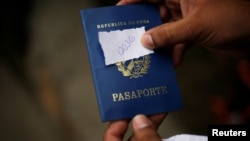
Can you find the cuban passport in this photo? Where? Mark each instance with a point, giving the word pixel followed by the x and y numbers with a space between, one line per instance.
pixel 134 84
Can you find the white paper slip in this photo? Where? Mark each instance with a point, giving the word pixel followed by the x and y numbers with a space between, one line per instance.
pixel 122 45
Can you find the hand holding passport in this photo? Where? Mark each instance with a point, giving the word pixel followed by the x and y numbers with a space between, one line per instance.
pixel 188 35
pixel 145 84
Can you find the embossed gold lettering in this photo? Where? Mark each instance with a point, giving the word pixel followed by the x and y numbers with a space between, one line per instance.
pixel 127 95
pixel 120 98
pixel 115 96
pixel 142 21
pixel 152 91
pixel 133 95
pixel 122 23
pixel 141 93
pixel 108 25
pixel 146 92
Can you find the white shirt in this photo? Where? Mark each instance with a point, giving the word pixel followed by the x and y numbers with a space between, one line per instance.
pixel 186 137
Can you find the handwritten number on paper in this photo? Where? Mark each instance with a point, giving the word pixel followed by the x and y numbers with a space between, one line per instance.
pixel 126 44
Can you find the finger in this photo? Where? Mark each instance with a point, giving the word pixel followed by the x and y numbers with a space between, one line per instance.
pixel 174 8
pixel 122 2
pixel 144 130
pixel 169 34
pixel 157 119
pixel 162 8
pixel 116 130
pixel 243 69
pixel 163 12
pixel 178 54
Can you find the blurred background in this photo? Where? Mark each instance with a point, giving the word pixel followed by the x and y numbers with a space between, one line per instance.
pixel 47 92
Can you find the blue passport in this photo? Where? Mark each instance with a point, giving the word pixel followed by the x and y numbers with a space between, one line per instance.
pixel 145 85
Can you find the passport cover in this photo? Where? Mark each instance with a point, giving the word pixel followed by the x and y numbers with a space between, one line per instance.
pixel 146 85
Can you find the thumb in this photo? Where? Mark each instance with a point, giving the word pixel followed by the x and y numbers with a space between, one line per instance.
pixel 172 33
pixel 144 129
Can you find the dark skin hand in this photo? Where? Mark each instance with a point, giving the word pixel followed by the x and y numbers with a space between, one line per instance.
pixel 144 128
pixel 218 25
pixel 222 26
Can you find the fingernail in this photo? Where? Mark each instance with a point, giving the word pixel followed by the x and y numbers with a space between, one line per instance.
pixel 147 41
pixel 141 121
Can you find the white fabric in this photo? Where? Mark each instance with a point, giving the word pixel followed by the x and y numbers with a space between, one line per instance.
pixel 186 137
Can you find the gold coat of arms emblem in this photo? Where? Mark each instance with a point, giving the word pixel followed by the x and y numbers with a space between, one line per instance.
pixel 134 68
